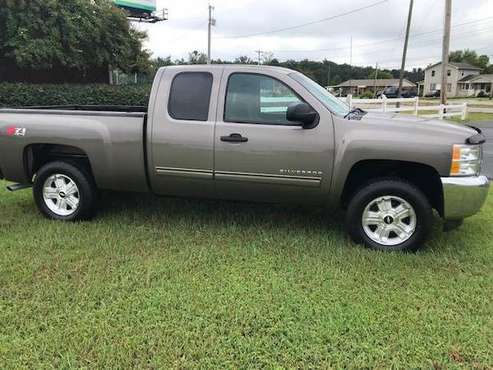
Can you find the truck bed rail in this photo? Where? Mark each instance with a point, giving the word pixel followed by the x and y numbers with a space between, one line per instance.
pixel 92 108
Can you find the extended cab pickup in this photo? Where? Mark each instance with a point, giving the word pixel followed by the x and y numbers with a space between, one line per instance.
pixel 250 133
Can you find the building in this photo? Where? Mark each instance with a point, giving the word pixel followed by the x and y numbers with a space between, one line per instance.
pixel 358 87
pixel 472 85
pixel 459 76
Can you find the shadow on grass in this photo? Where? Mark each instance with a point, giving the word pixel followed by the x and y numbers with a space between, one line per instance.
pixel 208 211
pixel 131 208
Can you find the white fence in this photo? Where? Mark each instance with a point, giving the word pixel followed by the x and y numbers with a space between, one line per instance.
pixel 408 105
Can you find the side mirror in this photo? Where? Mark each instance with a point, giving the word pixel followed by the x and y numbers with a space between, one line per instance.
pixel 303 113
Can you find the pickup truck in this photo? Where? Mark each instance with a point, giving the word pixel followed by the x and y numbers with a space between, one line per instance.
pixel 253 133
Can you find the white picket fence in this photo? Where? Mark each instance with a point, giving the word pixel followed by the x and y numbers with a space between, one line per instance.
pixel 408 105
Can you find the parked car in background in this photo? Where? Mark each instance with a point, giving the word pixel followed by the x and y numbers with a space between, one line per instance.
pixel 433 94
pixel 253 133
pixel 392 92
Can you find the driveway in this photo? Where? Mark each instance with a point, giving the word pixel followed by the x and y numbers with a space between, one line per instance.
pixel 487 128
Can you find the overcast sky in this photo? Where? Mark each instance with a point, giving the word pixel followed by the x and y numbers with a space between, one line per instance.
pixel 377 31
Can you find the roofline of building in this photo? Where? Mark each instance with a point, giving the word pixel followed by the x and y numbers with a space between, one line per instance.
pixel 454 66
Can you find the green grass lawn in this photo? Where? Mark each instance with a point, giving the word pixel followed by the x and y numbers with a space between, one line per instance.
pixel 159 283
pixel 471 117
pixel 479 117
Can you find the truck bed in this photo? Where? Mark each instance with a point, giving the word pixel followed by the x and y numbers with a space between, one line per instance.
pixel 112 137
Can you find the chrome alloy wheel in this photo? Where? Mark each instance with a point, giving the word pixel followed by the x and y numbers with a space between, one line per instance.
pixel 61 195
pixel 389 220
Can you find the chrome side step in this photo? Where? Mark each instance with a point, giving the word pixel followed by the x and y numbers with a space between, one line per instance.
pixel 15 187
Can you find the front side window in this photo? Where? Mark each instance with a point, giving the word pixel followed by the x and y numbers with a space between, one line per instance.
pixel 190 96
pixel 255 98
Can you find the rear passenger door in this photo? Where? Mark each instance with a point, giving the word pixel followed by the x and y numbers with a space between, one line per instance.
pixel 181 132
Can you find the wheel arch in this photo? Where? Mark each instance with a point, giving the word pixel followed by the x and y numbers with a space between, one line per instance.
pixel 37 155
pixel 424 177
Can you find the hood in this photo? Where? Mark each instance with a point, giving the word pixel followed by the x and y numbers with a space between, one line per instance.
pixel 435 127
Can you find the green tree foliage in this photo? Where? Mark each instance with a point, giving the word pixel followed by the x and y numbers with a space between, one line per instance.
pixel 381 75
pixel 243 59
pixel 197 58
pixel 72 34
pixel 471 57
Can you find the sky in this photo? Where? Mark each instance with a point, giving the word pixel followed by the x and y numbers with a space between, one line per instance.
pixel 377 29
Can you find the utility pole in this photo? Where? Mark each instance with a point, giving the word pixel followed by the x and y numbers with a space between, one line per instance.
pixel 375 80
pixel 212 22
pixel 351 65
pixel 404 52
pixel 259 55
pixel 328 77
pixel 445 51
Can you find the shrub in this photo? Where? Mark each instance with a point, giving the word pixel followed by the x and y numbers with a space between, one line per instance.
pixel 367 95
pixel 18 94
pixel 482 94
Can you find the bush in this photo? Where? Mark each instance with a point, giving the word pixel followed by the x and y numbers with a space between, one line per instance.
pixel 367 95
pixel 18 94
pixel 482 94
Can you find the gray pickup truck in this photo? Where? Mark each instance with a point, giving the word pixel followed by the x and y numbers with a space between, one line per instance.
pixel 250 133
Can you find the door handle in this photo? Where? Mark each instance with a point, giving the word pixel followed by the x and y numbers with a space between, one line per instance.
pixel 234 138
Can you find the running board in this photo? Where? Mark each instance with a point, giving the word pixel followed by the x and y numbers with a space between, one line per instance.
pixel 15 187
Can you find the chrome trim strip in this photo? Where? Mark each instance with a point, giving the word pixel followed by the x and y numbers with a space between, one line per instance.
pixel 269 178
pixel 185 172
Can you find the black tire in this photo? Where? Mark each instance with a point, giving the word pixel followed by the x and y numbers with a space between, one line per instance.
pixel 87 192
pixel 393 188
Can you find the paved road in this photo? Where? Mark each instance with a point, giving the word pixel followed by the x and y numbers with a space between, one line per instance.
pixel 487 128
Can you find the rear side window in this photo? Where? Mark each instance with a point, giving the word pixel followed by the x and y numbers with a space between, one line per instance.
pixel 190 96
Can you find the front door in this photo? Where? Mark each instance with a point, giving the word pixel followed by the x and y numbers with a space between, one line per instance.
pixel 261 156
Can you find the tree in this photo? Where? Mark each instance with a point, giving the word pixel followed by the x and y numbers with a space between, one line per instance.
pixel 197 58
pixel 243 60
pixel 471 57
pixel 267 57
pixel 381 75
pixel 69 35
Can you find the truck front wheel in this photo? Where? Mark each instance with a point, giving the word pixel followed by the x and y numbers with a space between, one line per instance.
pixel 64 191
pixel 389 214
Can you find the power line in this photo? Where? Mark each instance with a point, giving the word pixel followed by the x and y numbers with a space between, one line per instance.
pixel 427 58
pixel 307 23
pixel 382 41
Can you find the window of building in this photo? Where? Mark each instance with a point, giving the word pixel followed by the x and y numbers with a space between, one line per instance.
pixel 256 98
pixel 449 87
pixel 449 72
pixel 432 73
pixel 190 96
pixel 433 86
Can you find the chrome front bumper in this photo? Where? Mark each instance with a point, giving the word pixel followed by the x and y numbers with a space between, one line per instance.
pixel 463 196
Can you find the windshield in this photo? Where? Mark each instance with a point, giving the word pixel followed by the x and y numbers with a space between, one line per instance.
pixel 326 98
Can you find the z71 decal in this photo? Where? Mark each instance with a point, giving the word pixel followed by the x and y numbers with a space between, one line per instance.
pixel 16 131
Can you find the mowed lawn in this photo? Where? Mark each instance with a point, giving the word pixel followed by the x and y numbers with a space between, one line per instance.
pixel 168 283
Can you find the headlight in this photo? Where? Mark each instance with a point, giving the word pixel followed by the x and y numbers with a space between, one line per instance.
pixel 466 160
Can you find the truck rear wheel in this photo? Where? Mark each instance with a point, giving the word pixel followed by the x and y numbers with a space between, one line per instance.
pixel 389 214
pixel 64 191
